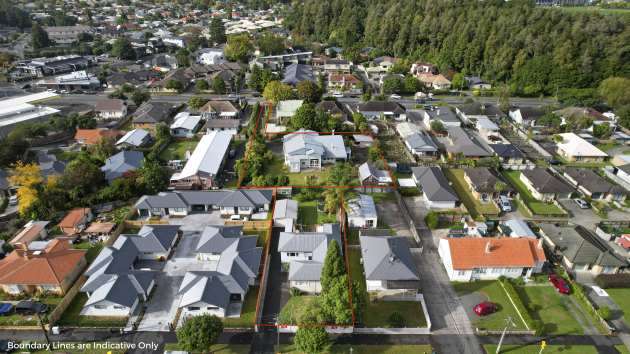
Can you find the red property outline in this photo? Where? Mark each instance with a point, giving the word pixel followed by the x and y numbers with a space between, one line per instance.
pixel 267 252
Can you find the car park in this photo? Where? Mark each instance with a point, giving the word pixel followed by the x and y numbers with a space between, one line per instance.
pixel 485 308
pixel 560 284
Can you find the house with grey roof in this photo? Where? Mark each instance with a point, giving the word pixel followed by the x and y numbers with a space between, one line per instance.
pixel 516 228
pixel 591 184
pixel 380 109
pixel 544 186
pixel 511 157
pixel 459 143
pixel 421 145
pixel 374 180
pixel 119 164
pixel 114 286
pixel 303 254
pixel 484 185
pixel 306 149
pixel 149 114
pixel 389 266
pixel 361 212
pixel 581 250
pixel 185 125
pixel 470 112
pixel 295 73
pixel 443 115
pixel 233 262
pixel 182 203
pixel 285 213
pixel 437 192
pixel 134 139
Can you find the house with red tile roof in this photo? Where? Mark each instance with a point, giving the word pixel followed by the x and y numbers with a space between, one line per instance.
pixel 93 136
pixel 488 258
pixel 75 221
pixel 51 270
pixel 32 231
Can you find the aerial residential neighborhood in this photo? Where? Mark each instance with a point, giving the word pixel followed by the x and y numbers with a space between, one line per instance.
pixel 395 176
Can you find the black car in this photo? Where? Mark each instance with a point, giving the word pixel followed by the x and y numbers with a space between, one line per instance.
pixel 29 307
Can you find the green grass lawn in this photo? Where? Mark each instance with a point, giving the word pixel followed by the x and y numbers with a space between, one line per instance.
pixel 72 316
pixel 621 297
pixel 93 249
pixel 292 311
pixel 535 349
pixel 376 314
pixel 367 349
pixel 547 305
pixel 537 207
pixel 308 214
pixel 176 150
pixel 474 206
pixel 589 9
pixel 622 349
pixel 248 313
pixel 353 236
pixel 493 292
pixel 262 237
pixel 216 348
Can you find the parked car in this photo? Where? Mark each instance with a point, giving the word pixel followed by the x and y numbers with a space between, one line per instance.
pixel 5 309
pixel 29 307
pixel 395 96
pixel 235 217
pixel 504 203
pixel 561 286
pixel 77 240
pixel 583 204
pixel 337 95
pixel 13 200
pixel 485 308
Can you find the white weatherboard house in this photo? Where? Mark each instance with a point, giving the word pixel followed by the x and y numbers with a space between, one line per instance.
pixel 304 254
pixel 185 125
pixel 574 148
pixel 306 149
pixel 114 286
pixel 205 163
pixel 388 263
pixel 361 212
pixel 232 263
pixel 436 191
pixel 488 258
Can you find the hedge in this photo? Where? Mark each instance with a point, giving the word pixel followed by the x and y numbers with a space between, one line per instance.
pixel 536 326
pixel 606 281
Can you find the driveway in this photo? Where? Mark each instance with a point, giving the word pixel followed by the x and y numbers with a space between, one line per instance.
pixel 390 214
pixel 584 217
pixel 197 222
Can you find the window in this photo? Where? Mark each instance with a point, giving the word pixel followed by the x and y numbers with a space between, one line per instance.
pixel 461 272
pixel 119 307
pixel 210 308
pixel 292 254
pixel 100 307
pixel 193 308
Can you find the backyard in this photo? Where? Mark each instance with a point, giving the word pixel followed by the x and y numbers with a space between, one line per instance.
pixel 176 150
pixel 292 311
pixel 394 149
pixel 72 316
pixel 309 214
pixel 621 297
pixel 476 292
pixel 247 313
pixel 93 249
pixel 545 304
pixel 537 207
pixel 474 206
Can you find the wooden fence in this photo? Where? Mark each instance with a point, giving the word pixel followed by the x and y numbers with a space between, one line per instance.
pixel 256 225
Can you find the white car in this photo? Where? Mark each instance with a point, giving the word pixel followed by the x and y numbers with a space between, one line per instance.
pixel 13 200
pixel 504 203
pixel 337 95
pixel 395 97
pixel 582 203
pixel 235 217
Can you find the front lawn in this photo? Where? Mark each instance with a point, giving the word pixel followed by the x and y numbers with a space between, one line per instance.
pixel 535 349
pixel 215 348
pixel 309 214
pixel 474 206
pixel 621 297
pixel 367 349
pixel 30 320
pixel 489 291
pixel 176 150
pixel 248 313
pixel 537 207
pixel 72 316
pixel 551 308
pixel 294 308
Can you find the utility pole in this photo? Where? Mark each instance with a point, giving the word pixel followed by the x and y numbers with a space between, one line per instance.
pixel 41 323
pixel 508 323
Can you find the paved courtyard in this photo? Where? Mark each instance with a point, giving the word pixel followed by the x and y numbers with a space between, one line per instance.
pixel 197 222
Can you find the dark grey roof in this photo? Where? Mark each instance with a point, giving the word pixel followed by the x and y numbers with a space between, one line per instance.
pixel 545 182
pixel 530 113
pixel 212 288
pixel 506 150
pixel 419 141
pixel 367 170
pixel 434 184
pixel 161 200
pixel 591 181
pixel 381 106
pixel 330 107
pixel 152 112
pixel 482 179
pixel 216 239
pixel 476 109
pixel 223 124
pixel 295 73
pixel 4 182
pixel 444 114
pixel 221 198
pixel 124 161
pixel 462 143
pixel 387 258
pixel 155 238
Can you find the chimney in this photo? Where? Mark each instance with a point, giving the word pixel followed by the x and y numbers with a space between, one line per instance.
pixel 488 247
pixel 540 243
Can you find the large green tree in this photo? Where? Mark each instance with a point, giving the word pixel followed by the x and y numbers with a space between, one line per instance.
pixel 239 47
pixel 270 44
pixel 308 91
pixel 199 333
pixel 333 266
pixel 122 49
pixel 275 91
pixel 615 91
pixel 39 37
pixel 217 31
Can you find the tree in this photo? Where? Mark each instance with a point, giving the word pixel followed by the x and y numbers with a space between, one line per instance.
pixel 199 333
pixel 333 266
pixel 183 57
pixel 275 91
pixel 153 177
pixel 105 148
pixel 504 98
pixel 174 85
pixel 602 131
pixel 432 220
pixel 217 31
pixel 39 37
pixel 360 122
pixel 615 91
pixel 308 91
pixel 270 44
pixel 458 81
pixel 239 47
pixel 306 117
pixel 122 49
pixel 201 85
pixel 197 102
pixel 311 339
pixel 28 177
pixel 411 85
pixel 82 176
pixel 392 84
pixel 138 97
pixel 259 78
pixel 218 85
pixel 437 126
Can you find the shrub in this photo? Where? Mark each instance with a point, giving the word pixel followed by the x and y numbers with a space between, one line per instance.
pixel 296 292
pixel 409 192
pixel 432 220
pixel 605 313
pixel 518 303
pixel 538 327
pixel 396 320
pixel 605 281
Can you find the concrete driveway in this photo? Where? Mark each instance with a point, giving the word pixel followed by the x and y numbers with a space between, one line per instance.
pixel 583 217
pixel 389 213
pixel 197 222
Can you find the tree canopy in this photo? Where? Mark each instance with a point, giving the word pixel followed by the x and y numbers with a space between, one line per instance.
pixel 199 333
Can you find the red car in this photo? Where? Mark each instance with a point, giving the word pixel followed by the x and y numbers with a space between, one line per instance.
pixel 485 308
pixel 561 286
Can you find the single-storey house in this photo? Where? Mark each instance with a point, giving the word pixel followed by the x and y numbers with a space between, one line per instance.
pixel 374 180
pixel 94 136
pixel 125 161
pixel 593 185
pixel 482 183
pixel 134 139
pixel 437 193
pixel 469 112
pixel 573 148
pixel 185 125
pixel 544 186
pixel 32 231
pixel 229 126
pixel 443 115
pixel 488 258
pixel 75 221
pixel 285 213
pixel 219 110
pixel 516 228
pixel 295 73
pixel 109 109
pixel 361 212
pixel 149 114
pixel 511 157
pixel 458 142
pixel 526 116
pixel 380 110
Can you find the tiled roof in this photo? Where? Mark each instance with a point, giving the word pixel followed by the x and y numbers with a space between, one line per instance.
pixel 470 253
pixel 73 217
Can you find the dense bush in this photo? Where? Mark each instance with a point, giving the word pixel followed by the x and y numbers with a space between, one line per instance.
pixel 396 320
pixel 605 281
pixel 520 306
pixel 432 220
